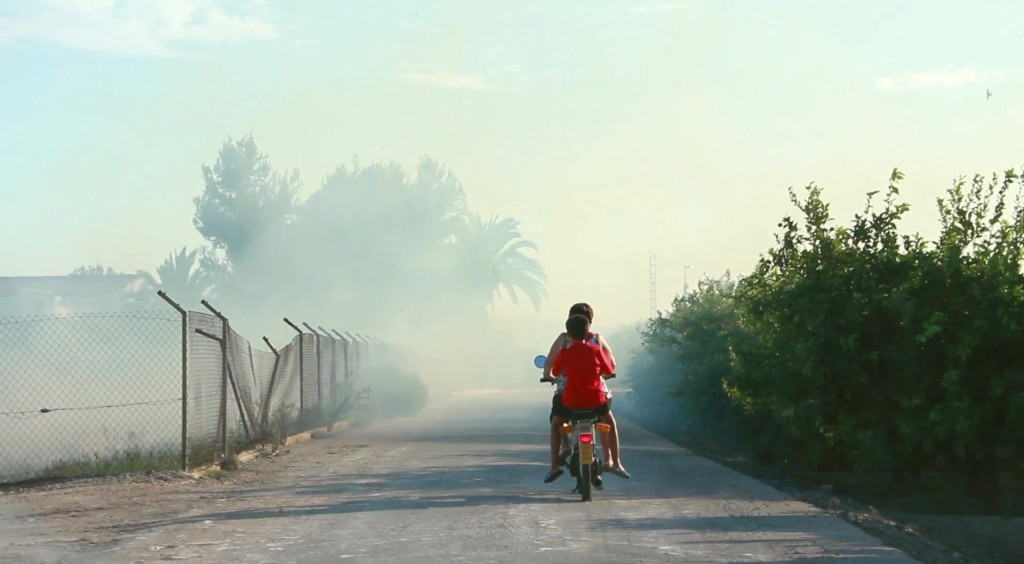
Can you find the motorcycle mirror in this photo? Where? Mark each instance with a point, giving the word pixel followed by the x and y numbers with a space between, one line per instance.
pixel 539 361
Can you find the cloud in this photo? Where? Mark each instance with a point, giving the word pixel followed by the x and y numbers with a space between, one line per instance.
pixel 137 27
pixel 447 80
pixel 660 8
pixel 939 79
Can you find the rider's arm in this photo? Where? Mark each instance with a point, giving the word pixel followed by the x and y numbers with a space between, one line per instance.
pixel 552 353
pixel 558 365
pixel 606 364
pixel 607 351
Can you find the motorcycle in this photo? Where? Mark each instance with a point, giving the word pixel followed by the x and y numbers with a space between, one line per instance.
pixel 578 434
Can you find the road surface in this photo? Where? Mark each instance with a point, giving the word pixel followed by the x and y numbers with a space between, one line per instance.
pixel 460 482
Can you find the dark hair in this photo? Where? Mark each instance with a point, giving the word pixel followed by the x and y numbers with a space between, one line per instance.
pixel 577 326
pixel 583 309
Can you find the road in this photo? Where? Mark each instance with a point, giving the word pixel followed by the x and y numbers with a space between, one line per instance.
pixel 463 482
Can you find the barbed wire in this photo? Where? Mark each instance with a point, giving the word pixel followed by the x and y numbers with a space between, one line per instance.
pixel 27 414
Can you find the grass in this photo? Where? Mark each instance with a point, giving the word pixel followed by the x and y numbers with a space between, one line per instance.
pixel 121 462
pixel 125 461
pixel 201 452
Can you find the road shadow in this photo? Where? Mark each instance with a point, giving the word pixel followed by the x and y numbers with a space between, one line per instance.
pixel 417 501
pixel 500 480
pixel 660 470
pixel 844 540
pixel 508 468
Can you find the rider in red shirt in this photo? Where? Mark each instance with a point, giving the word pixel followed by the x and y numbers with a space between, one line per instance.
pixel 583 365
pixel 557 408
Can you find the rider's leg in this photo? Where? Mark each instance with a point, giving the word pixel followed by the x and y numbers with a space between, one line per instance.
pixel 615 467
pixel 606 445
pixel 564 444
pixel 556 442
pixel 610 438
pixel 613 440
pixel 615 456
pixel 557 409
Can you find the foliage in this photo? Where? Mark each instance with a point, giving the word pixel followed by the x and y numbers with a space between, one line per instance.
pixel 93 270
pixel 857 348
pixel 378 234
pixel 371 243
pixel 491 255
pixel 699 330
pixel 243 199
pixel 181 276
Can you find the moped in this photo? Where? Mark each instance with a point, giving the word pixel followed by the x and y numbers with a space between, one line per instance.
pixel 579 432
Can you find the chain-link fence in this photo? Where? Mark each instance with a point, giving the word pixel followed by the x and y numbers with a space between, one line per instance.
pixel 89 394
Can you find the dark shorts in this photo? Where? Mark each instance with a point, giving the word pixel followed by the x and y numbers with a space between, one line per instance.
pixel 559 410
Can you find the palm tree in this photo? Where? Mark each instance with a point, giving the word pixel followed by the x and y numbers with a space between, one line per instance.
pixel 180 276
pixel 492 259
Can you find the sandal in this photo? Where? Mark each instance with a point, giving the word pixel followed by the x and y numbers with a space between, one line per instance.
pixel 618 471
pixel 553 475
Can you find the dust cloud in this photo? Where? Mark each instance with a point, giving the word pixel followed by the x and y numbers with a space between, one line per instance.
pixel 376 249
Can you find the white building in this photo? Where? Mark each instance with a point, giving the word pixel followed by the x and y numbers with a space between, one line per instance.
pixel 48 295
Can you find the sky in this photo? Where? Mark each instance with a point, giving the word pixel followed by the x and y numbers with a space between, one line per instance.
pixel 611 130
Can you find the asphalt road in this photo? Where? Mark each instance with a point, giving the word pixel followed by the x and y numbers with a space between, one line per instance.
pixel 463 482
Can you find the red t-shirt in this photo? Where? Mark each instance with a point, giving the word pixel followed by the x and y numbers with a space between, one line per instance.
pixel 583 364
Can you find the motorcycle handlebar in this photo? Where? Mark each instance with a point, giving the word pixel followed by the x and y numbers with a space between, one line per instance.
pixel 544 380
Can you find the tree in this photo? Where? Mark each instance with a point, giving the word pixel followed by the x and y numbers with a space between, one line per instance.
pixel 491 259
pixel 181 276
pixel 376 236
pixel 243 199
pixel 383 200
pixel 857 348
pixel 94 270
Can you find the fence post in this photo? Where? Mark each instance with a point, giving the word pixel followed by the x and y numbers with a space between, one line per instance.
pixel 368 349
pixel 344 348
pixel 252 371
pixel 270 388
pixel 319 372
pixel 358 356
pixel 334 365
pixel 223 380
pixel 302 376
pixel 221 421
pixel 184 376
pixel 225 330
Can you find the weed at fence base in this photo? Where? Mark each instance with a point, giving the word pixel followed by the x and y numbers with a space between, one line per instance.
pixel 123 462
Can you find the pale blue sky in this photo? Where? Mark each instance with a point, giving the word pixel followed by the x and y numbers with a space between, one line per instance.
pixel 674 127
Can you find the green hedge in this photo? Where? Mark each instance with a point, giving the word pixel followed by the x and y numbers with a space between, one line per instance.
pixel 857 348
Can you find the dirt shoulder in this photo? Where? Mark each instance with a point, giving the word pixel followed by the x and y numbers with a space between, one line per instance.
pixel 89 516
pixel 950 535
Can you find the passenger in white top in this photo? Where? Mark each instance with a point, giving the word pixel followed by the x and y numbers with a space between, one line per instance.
pixel 613 466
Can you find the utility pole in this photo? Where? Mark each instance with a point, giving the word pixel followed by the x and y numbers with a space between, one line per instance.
pixel 686 287
pixel 654 293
